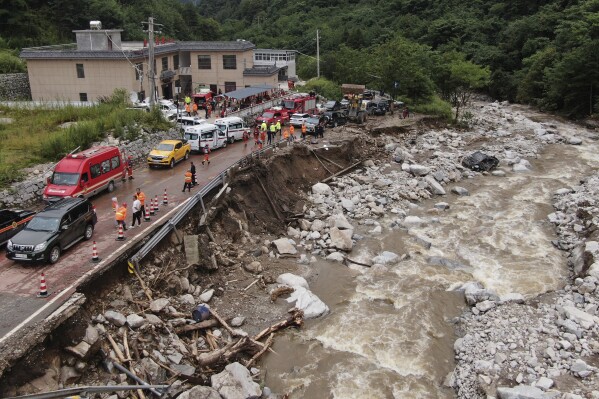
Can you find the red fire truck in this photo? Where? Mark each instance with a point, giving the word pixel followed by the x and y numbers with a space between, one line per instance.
pixel 300 103
pixel 272 115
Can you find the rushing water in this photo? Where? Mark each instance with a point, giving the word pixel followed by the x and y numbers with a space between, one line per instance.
pixel 389 333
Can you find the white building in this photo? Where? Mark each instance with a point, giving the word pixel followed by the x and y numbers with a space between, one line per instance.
pixel 283 59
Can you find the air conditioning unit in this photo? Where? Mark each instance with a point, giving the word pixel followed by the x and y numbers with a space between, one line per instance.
pixel 96 25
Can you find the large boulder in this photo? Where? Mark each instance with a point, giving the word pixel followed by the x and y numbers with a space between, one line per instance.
pixel 293 281
pixel 520 392
pixel 480 162
pixel 341 239
pixel 340 221
pixel 235 382
pixel 308 302
pixel 284 246
pixel 116 318
pixel 321 188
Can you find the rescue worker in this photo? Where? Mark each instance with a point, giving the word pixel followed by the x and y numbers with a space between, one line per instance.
pixel 285 135
pixel 256 135
pixel 262 138
pixel 272 133
pixel 142 199
pixel 206 154
pixel 188 109
pixel 121 216
pixel 246 137
pixel 304 129
pixel 291 134
pixel 187 100
pixel 208 110
pixel 130 167
pixel 192 169
pixel 263 126
pixel 136 211
pixel 115 206
pixel 194 108
pixel 278 127
pixel 187 185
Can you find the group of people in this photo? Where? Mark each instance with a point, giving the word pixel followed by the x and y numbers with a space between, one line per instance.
pixel 138 209
pixel 268 133
pixel 190 174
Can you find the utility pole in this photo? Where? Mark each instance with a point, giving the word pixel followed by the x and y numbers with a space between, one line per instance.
pixel 317 54
pixel 152 73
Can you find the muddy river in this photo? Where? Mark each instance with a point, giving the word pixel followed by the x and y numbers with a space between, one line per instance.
pixel 390 334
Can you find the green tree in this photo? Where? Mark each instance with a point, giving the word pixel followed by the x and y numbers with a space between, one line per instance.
pixel 460 79
pixel 10 63
pixel 324 87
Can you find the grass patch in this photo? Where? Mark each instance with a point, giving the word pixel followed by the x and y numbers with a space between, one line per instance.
pixel 39 135
pixel 435 107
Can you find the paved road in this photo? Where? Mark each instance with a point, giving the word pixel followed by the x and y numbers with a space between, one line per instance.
pixel 20 282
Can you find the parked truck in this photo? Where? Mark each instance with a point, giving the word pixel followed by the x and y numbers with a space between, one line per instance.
pixel 356 108
pixel 302 103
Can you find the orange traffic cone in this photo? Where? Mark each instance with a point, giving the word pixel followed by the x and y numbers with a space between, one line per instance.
pixel 95 257
pixel 165 198
pixel 156 203
pixel 147 215
pixel 120 236
pixel 43 289
pixel 151 207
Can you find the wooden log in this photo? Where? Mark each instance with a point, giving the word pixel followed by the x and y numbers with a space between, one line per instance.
pixel 334 163
pixel 234 333
pixel 296 319
pixel 116 348
pixel 147 291
pixel 270 201
pixel 264 349
pixel 342 171
pixel 325 168
pixel 198 326
pixel 249 286
pixel 356 262
pixel 224 354
pixel 210 235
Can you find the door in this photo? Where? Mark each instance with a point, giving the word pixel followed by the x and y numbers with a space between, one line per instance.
pixel 221 138
pixel 178 151
pixel 67 231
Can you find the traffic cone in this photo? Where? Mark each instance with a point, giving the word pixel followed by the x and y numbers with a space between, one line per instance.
pixel 43 289
pixel 95 257
pixel 165 198
pixel 151 207
pixel 147 215
pixel 156 203
pixel 120 236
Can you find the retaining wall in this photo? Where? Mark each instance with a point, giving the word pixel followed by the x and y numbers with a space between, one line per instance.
pixel 14 86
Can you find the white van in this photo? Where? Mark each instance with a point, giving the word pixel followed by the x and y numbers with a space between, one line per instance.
pixel 233 126
pixel 189 121
pixel 206 133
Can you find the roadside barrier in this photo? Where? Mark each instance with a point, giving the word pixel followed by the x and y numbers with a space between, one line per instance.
pixel 120 236
pixel 165 198
pixel 147 215
pixel 95 257
pixel 156 203
pixel 152 207
pixel 43 289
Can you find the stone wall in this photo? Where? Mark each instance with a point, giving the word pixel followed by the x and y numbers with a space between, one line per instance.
pixel 14 86
pixel 28 193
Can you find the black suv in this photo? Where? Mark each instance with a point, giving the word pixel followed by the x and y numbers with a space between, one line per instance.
pixel 380 107
pixel 335 118
pixel 53 230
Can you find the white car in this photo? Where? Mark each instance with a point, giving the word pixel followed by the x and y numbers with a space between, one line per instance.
pixel 297 120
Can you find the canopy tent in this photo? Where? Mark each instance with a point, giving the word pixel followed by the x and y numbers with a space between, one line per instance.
pixel 248 91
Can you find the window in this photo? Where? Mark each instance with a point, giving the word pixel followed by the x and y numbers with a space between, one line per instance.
pixel 204 62
pixel 80 71
pixel 105 166
pixel 229 62
pixel 84 177
pixel 116 162
pixel 178 146
pixel 176 61
pixel 139 71
pixel 95 170
pixel 230 86
pixel 83 97
pixel 235 126
pixel 164 63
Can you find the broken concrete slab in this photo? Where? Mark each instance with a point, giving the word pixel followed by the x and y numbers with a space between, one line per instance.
pixel 192 249
pixel 235 382
pixel 284 246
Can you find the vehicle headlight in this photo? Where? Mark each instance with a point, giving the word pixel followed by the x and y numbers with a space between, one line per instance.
pixel 40 247
pixel 9 245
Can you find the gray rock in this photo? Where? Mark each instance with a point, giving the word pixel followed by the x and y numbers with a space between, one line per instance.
pixel 544 383
pixel 520 392
pixel 184 369
pixel 69 375
pixel 461 191
pixel 485 306
pixel 321 188
pixel 340 221
pixel 341 239
pixel 435 187
pixel 317 225
pixel 237 321
pixel 135 321
pixel 116 318
pixel 442 205
pixel 574 141
pixel 153 319
pixel 200 392
pixel 91 335
pixel 253 267
pixel 419 170
pixel 335 256
pixel 207 296
pixel 187 299
pixel 235 382
pixel 175 357
pixel 158 305
pixel 80 350
pixel 284 246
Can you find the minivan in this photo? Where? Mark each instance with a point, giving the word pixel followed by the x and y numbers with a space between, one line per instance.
pixel 233 127
pixel 85 173
pixel 185 122
pixel 207 133
pixel 53 230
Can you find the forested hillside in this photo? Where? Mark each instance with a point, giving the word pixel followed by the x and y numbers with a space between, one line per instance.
pixel 542 52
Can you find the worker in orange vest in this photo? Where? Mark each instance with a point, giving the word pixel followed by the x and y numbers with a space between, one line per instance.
pixel 142 198
pixel 285 134
pixel 121 216
pixel 291 133
pixel 188 109
pixel 130 167
pixel 303 130
pixel 206 154
pixel 195 109
pixel 187 184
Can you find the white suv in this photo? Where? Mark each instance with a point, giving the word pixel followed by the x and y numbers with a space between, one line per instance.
pixel 297 120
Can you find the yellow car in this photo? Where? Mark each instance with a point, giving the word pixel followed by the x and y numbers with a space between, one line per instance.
pixel 168 153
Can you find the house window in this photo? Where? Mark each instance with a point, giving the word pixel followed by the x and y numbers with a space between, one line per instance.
pixel 139 71
pixel 204 62
pixel 83 97
pixel 229 62
pixel 80 71
pixel 176 61
pixel 230 86
pixel 164 63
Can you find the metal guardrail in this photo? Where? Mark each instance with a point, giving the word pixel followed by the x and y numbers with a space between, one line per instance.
pixel 193 201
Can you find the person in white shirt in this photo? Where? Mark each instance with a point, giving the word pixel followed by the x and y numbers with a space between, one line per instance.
pixel 136 211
